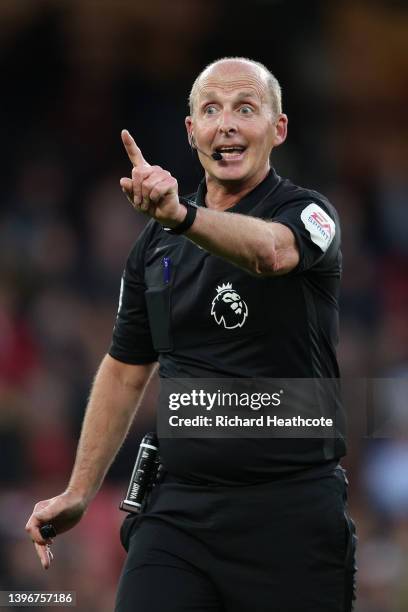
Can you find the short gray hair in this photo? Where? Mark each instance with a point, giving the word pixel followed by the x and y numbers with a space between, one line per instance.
pixel 274 89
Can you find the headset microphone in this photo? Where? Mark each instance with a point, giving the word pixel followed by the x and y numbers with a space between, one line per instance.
pixel 216 156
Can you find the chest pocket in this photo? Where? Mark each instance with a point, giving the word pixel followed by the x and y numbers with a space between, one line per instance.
pixel 158 302
pixel 159 277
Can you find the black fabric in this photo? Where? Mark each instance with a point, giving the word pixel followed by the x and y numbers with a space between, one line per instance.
pixel 284 327
pixel 280 546
pixel 291 327
pixel 166 588
pixel 240 524
pixel 132 339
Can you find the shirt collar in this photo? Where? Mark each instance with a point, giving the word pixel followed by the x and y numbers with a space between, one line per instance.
pixel 266 187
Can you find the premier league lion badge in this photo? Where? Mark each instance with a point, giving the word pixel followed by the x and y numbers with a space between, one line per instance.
pixel 228 308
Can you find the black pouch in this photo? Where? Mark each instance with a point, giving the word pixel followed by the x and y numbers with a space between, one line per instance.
pixel 159 313
pixel 126 529
pixel 132 520
pixel 159 282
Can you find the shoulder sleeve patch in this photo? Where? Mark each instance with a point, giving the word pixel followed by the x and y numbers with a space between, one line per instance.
pixel 320 226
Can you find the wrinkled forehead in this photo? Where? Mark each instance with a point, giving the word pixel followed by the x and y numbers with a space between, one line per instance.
pixel 233 80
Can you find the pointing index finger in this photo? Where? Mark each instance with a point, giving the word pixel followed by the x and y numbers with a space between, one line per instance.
pixel 133 151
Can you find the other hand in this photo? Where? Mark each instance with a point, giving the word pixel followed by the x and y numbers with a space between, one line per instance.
pixel 63 511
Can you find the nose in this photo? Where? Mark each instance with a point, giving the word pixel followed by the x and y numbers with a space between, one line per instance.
pixel 227 125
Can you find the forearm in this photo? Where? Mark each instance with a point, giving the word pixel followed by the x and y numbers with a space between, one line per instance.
pixel 262 248
pixel 110 411
pixel 245 241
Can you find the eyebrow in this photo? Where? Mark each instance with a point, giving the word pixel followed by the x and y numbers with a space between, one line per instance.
pixel 241 96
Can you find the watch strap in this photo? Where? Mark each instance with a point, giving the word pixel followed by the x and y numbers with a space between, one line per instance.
pixel 188 219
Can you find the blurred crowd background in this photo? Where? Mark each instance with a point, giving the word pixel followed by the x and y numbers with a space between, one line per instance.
pixel 74 73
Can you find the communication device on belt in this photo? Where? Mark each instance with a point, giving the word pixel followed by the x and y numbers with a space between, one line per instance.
pixel 144 474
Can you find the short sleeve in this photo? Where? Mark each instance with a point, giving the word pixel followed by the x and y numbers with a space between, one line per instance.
pixel 315 224
pixel 131 340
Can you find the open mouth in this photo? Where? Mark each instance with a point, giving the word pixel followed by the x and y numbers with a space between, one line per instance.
pixel 232 152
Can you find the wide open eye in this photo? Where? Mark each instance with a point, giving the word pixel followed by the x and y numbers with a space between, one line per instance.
pixel 246 110
pixel 210 109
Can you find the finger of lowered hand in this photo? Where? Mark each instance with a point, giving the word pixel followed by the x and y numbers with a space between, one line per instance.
pixel 44 512
pixel 33 529
pixel 134 153
pixel 44 554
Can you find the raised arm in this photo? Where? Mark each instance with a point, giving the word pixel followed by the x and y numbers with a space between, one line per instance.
pixel 260 247
pixel 116 393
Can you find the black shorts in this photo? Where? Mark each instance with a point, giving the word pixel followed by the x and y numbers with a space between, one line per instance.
pixel 281 546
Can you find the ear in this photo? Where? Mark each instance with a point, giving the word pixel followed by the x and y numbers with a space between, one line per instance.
pixel 281 130
pixel 189 127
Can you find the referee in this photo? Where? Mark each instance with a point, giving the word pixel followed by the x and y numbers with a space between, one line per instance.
pixel 239 280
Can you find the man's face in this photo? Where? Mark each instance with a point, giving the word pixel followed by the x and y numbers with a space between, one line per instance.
pixel 233 115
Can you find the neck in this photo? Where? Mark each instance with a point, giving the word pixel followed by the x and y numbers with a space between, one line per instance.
pixel 222 195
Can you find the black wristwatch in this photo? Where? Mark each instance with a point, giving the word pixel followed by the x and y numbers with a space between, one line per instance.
pixel 188 219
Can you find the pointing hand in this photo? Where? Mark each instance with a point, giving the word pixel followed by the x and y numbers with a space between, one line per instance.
pixel 151 190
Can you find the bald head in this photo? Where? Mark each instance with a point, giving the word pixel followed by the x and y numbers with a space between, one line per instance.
pixel 233 66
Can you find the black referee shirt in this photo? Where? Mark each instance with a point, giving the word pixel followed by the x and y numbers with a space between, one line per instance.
pixel 203 317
